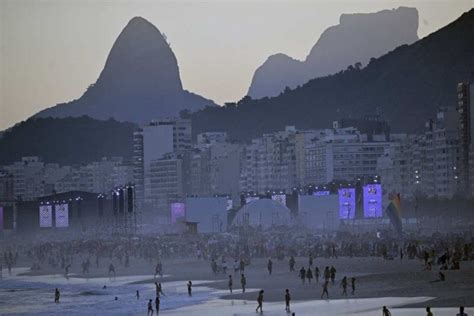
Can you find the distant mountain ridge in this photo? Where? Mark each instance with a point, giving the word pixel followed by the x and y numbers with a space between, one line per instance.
pixel 405 86
pixel 140 81
pixel 357 38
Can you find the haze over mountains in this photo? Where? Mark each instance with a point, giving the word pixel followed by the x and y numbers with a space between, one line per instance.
pixel 140 81
pixel 405 86
pixel 357 38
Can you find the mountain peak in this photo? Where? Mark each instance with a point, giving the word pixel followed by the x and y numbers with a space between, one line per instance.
pixel 357 38
pixel 140 81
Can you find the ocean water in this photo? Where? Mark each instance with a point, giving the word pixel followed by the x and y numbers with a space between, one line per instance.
pixel 25 295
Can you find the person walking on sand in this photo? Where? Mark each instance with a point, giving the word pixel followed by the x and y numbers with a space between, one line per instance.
pixel 260 302
pixel 230 283
pixel 309 275
pixel 270 266
pixel 325 289
pixel 138 295
pixel 150 308
pixel 302 274
pixel 344 286
pixel 243 282
pixel 190 284
pixel 353 285
pixel 57 295
pixel 287 300
pixel 333 274
pixel 159 289
pixel 386 312
pixel 428 312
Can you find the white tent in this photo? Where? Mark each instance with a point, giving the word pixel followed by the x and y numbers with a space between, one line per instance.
pixel 263 213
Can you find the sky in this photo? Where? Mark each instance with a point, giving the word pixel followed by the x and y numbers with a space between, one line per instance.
pixel 52 50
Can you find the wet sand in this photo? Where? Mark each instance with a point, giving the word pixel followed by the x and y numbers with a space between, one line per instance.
pixel 375 278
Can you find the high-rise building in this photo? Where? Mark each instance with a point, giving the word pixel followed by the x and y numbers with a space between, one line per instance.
pixel 269 162
pixel 465 109
pixel 426 164
pixel 152 142
pixel 166 182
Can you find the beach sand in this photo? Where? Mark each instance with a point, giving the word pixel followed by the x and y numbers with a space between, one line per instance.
pixel 375 278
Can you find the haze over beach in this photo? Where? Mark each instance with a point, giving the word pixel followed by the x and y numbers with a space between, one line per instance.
pixel 218 44
pixel 248 157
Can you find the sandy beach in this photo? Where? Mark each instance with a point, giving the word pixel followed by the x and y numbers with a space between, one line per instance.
pixel 375 278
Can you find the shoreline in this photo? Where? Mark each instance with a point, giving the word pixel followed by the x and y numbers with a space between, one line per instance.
pixel 375 278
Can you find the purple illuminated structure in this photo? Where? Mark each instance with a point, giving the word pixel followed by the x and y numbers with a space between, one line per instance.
pixel 178 210
pixel 372 200
pixel 347 203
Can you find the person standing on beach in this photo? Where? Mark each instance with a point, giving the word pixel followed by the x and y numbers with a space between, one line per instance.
pixel 242 265
pixel 333 274
pixel 260 302
pixel 302 274
pixel 287 300
pixel 353 285
pixel 111 270
pixel 327 274
pixel 310 261
pixel 57 295
pixel 138 295
pixel 344 286
pixel 292 263
pixel 317 274
pixel 150 308
pixel 309 274
pixel 230 283
pixel 190 284
pixel 386 312
pixel 325 289
pixel 270 266
pixel 243 282
pixel 157 304
pixel 428 312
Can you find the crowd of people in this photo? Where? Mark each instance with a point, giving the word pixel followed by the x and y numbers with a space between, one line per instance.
pixel 229 253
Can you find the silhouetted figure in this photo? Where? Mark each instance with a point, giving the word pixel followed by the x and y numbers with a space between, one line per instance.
pixel 344 286
pixel 353 285
pixel 461 311
pixel 157 304
pixel 243 282
pixel 57 295
pixel 292 263
pixel 287 300
pixel 138 295
pixel 260 301
pixel 150 308
pixel 230 283
pixel 386 312
pixel 428 312
pixel 270 266
pixel 325 289
pixel 302 274
pixel 190 284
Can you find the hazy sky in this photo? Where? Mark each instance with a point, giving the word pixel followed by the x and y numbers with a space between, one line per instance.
pixel 52 50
